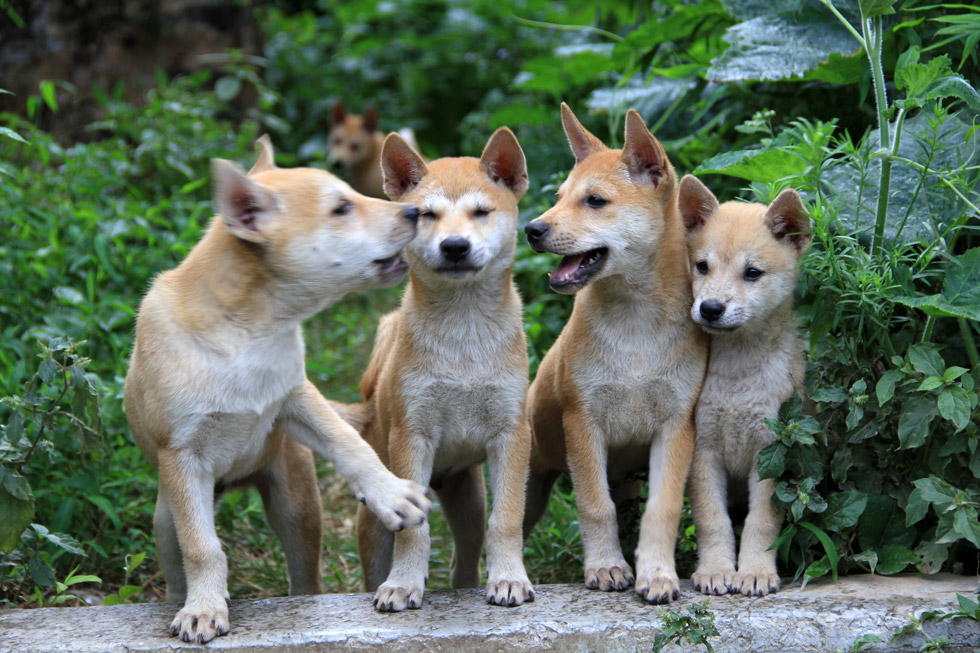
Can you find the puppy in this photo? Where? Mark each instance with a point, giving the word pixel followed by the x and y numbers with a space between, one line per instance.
pixel 355 148
pixel 743 270
pixel 447 382
pixel 216 392
pixel 618 388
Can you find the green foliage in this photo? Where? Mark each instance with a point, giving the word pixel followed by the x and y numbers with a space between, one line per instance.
pixel 694 629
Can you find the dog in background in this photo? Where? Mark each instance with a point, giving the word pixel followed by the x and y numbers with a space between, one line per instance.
pixel 447 382
pixel 617 390
pixel 354 148
pixel 217 395
pixel 743 261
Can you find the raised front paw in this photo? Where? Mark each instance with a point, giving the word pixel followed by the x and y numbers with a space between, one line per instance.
pixel 756 582
pixel 611 576
pixel 395 596
pixel 399 504
pixel 656 583
pixel 713 580
pixel 501 591
pixel 201 624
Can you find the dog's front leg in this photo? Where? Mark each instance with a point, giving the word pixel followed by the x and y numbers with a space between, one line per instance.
pixel 605 567
pixel 410 458
pixel 309 419
pixel 670 459
pixel 190 496
pixel 508 457
pixel 757 574
pixel 716 539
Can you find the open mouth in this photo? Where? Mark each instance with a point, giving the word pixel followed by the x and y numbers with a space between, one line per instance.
pixel 391 266
pixel 575 270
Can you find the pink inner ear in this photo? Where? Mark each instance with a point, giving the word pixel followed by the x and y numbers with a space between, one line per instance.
pixel 244 207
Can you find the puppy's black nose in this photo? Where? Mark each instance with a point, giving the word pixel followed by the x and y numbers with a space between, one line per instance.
pixel 712 310
pixel 535 231
pixel 455 249
pixel 336 165
pixel 411 214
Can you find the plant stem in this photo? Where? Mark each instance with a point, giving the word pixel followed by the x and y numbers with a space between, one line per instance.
pixel 874 37
pixel 971 345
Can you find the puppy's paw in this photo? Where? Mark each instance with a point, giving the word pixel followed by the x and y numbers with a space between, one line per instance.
pixel 394 596
pixel 713 580
pixel 613 576
pixel 399 503
pixel 756 582
pixel 657 583
pixel 501 591
pixel 201 624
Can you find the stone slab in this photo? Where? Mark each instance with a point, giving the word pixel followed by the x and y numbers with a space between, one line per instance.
pixel 822 617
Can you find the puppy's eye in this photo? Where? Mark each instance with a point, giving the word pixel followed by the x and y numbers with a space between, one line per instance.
pixel 753 274
pixel 596 202
pixel 354 147
pixel 482 212
pixel 338 140
pixel 427 213
pixel 343 208
pixel 702 267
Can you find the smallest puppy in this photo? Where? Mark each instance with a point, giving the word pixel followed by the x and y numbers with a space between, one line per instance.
pixel 743 269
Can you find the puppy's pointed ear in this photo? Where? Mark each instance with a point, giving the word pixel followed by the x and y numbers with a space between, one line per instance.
pixel 503 161
pixel 266 160
pixel 245 206
pixel 370 119
pixel 338 114
pixel 642 153
pixel 786 218
pixel 696 203
pixel 582 142
pixel 401 166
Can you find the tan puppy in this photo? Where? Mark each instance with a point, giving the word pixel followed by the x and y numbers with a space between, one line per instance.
pixel 217 374
pixel 743 267
pixel 447 382
pixel 617 389
pixel 354 147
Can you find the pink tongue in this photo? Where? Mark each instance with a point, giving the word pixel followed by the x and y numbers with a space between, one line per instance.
pixel 567 267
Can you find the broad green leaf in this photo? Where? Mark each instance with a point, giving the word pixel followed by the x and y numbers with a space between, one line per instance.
pixel 914 77
pixel 69 295
pixel 16 485
pixel 926 360
pixel 112 599
pixel 41 572
pixel 967 524
pixel 913 424
pixel 66 542
pixel 772 460
pixel 936 491
pixel 885 389
pixel 784 46
pixel 960 296
pixel 954 405
pixel 17 515
pixel 10 133
pixel 816 569
pixel 932 556
pixel 127 591
pixel 227 88
pixel 870 557
pixel 766 166
pixel 916 508
pixel 844 509
pixel 893 558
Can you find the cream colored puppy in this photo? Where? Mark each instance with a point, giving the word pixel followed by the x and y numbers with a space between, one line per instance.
pixel 447 382
pixel 216 392
pixel 743 268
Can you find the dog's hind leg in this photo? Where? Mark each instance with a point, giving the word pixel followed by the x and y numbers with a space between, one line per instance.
pixel 375 545
pixel 464 502
pixel 291 497
pixel 168 549
pixel 539 484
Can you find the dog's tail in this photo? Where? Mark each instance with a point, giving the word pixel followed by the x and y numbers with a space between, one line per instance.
pixel 357 415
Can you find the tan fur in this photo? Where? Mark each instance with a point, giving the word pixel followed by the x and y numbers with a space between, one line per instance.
pixel 617 389
pixel 448 376
pixel 216 381
pixel 756 362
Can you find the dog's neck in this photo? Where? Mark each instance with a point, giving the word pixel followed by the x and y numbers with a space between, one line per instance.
pixel 660 288
pixel 225 281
